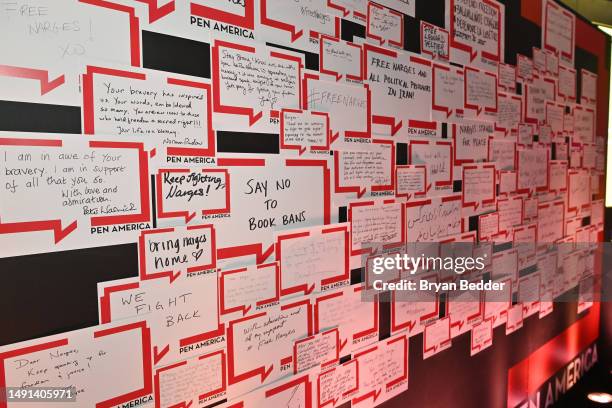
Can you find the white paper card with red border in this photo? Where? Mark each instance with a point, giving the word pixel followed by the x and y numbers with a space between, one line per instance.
pixel 336 385
pixel 172 113
pixel 434 219
pixel 436 337
pixel 96 192
pixel 476 32
pixel 259 352
pixel 59 33
pixel 434 41
pixel 297 24
pixel 481 337
pixel 355 317
pixel 83 359
pixel 202 378
pixel 383 371
pixel 558 31
pixel 401 84
pixel 313 259
pixel 182 314
pixel 384 26
pixel 515 319
pixel 238 70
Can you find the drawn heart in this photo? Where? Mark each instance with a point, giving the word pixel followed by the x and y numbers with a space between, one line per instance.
pixel 197 254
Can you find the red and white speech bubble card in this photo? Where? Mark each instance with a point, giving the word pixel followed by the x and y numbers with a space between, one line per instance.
pixel 173 112
pixel 96 193
pixel 182 314
pixel 314 259
pixel 98 351
pixel 202 378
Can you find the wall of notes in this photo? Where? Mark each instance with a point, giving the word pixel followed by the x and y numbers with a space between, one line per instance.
pixel 191 191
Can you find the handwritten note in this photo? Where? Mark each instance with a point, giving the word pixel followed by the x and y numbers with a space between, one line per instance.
pixel 257 344
pixel 254 79
pixel 403 6
pixel 477 30
pixel 509 112
pixel 400 82
pixel 503 153
pixel 178 312
pixel 507 77
pixel 448 91
pixel 539 59
pixel 382 371
pixel 536 95
pixel 413 311
pixel 297 17
pixel 83 359
pixel 464 310
pixel 497 303
pixel 437 159
pixel 579 189
pixel 385 25
pixel 505 265
pixel 524 68
pixel 550 222
pixel 305 131
pixel 185 193
pixel 436 337
pixel 58 34
pixel 248 289
pixel 341 58
pixel 375 224
pixel 312 259
pixel 488 226
pixel 433 220
pixel 361 169
pixel 525 134
pixel 558 31
pixel 347 105
pixel 515 319
pixel 410 181
pixel 83 184
pixel 532 168
pixel 584 124
pixel 264 200
pixel 478 185
pixel 175 250
pixel 317 350
pixel 567 83
pixel 289 392
pixel 185 382
pixel 588 89
pixel 558 175
pixel 481 337
pixel 354 317
pixel 510 213
pixel 337 382
pixel 434 41
pixel 166 111
pixel 555 115
pixel 507 182
pixel 589 156
pixel 471 140
pixel 525 241
pixel 552 63
pixel 480 91
pixel 529 293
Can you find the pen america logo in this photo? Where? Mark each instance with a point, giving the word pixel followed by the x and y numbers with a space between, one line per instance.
pixel 552 390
